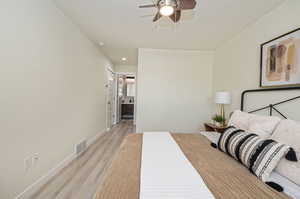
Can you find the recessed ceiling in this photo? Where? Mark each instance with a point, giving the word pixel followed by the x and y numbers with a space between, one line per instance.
pixel 123 27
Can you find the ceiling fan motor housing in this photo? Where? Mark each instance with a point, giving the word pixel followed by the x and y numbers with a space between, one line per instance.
pixel 172 3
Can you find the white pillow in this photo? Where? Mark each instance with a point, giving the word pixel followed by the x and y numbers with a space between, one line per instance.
pixel 288 132
pixel 240 120
pixel 263 126
pixel 260 125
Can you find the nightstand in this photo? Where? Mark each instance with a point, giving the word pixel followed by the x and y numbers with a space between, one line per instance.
pixel 212 127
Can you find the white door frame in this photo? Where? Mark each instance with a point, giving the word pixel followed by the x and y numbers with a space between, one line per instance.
pixel 117 94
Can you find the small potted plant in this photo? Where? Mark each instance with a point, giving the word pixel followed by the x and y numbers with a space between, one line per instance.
pixel 219 120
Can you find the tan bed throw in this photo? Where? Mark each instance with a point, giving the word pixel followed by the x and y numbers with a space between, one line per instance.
pixel 225 177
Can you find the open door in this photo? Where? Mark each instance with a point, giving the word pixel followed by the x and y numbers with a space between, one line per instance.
pixel 110 100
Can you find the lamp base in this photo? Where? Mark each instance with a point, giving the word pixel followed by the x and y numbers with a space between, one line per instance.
pixel 222 113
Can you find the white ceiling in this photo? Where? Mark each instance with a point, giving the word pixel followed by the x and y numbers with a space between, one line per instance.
pixel 123 27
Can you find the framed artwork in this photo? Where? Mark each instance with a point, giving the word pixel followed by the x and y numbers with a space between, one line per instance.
pixel 280 61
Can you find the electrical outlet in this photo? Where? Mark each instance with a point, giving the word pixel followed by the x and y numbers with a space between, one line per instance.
pixel 35 159
pixel 81 147
pixel 27 164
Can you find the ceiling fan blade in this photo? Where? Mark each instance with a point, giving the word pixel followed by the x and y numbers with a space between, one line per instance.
pixel 176 16
pixel 187 4
pixel 144 16
pixel 157 17
pixel 148 6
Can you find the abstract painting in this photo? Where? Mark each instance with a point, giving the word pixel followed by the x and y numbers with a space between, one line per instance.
pixel 280 61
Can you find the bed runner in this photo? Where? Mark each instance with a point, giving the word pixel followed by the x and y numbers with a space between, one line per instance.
pixel 166 172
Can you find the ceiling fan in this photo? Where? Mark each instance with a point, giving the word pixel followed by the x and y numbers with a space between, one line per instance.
pixel 171 8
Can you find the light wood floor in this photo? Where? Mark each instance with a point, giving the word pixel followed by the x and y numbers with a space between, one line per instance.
pixel 82 177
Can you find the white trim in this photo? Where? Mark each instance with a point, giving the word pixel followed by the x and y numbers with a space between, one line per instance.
pixel 115 100
pixel 117 94
pixel 126 73
pixel 31 189
pixel 176 50
pixel 95 138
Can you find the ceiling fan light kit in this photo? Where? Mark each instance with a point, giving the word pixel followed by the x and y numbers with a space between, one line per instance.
pixel 166 11
pixel 171 8
pixel 167 7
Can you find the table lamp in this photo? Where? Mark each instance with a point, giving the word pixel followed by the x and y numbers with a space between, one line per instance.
pixel 223 98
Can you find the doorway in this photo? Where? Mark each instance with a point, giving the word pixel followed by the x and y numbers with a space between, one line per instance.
pixel 126 97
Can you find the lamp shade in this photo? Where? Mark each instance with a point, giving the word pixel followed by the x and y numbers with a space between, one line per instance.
pixel 223 98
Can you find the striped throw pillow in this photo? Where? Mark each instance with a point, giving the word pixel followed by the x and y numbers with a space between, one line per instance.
pixel 260 156
pixel 266 158
pixel 230 139
pixel 248 148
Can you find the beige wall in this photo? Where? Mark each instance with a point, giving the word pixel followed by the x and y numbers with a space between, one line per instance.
pixel 126 68
pixel 237 61
pixel 52 90
pixel 174 88
pixel 52 84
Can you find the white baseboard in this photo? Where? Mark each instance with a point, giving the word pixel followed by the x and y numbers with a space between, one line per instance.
pixel 95 138
pixel 44 179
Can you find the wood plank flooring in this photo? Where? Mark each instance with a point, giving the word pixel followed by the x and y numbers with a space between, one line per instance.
pixel 82 177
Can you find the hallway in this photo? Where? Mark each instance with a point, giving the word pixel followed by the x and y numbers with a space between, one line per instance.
pixel 81 178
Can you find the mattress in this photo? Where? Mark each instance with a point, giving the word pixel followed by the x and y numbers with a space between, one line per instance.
pixel 290 188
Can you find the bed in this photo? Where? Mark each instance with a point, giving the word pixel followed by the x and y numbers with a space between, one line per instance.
pixel 226 181
pixel 220 175
pixel 290 189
